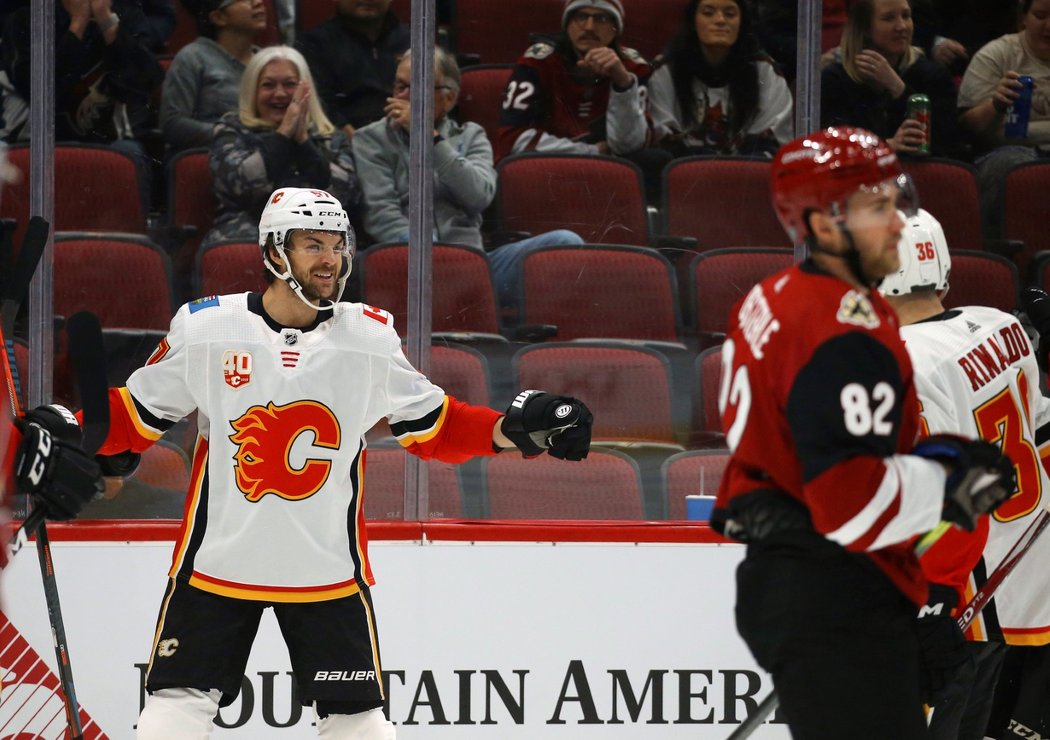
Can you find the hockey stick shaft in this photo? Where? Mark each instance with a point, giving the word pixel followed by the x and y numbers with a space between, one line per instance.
pixel 15 288
pixel 749 725
pixel 991 584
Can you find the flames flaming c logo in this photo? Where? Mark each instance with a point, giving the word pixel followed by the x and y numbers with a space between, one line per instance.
pixel 265 435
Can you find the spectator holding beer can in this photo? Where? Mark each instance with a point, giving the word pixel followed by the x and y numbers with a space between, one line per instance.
pixel 992 105
pixel 879 75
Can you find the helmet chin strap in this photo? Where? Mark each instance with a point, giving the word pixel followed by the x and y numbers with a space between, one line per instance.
pixel 851 256
pixel 297 288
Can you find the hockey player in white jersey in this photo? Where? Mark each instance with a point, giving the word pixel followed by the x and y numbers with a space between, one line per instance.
pixel 976 376
pixel 286 384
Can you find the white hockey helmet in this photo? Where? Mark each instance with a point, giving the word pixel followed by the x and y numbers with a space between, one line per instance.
pixel 303 208
pixel 925 261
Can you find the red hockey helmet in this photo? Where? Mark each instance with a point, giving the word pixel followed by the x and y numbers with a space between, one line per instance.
pixel 820 171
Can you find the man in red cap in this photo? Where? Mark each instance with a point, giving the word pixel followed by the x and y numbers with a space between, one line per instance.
pixel 825 482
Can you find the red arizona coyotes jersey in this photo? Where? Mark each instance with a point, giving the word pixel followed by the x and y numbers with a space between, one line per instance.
pixel 548 98
pixel 817 400
pixel 976 375
pixel 275 505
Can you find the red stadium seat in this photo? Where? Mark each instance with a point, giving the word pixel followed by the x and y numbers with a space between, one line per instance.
pixel 606 485
pixel 191 202
pixel 123 279
pixel 461 371
pixel 1024 217
pixel 707 422
pixel 464 299
pixel 982 279
pixel 600 290
pixel 481 95
pixel 600 198
pixel 384 487
pixel 721 277
pixel 626 386
pixel 690 473
pixel 721 202
pixel 96 189
pixel 948 190
pixel 229 267
pixel 165 465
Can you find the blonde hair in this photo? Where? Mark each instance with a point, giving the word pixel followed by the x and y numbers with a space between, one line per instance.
pixel 855 39
pixel 316 119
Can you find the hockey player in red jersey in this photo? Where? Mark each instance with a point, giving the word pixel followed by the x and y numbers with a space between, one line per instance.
pixel 818 404
pixel 286 384
pixel 976 375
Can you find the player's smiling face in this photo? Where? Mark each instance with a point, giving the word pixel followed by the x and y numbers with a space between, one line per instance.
pixel 315 258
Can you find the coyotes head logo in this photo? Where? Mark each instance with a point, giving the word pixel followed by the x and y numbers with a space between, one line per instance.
pixel 265 435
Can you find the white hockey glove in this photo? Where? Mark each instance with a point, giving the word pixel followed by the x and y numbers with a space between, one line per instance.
pixel 980 477
pixel 536 421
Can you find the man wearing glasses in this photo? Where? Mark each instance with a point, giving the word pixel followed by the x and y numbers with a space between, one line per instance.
pixel 580 93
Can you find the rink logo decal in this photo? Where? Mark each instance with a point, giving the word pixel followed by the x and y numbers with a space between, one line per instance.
pixel 166 648
pixel 857 310
pixel 236 368
pixel 31 704
pixel 265 461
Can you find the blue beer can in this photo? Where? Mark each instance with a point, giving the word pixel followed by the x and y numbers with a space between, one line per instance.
pixel 1017 114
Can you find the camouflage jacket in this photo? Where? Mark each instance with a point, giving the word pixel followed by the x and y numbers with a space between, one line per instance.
pixel 248 164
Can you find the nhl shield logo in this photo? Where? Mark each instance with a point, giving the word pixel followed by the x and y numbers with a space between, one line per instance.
pixel 236 368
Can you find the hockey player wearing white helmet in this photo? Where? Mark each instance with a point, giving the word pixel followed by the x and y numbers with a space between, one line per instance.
pixel 285 385
pixel 976 375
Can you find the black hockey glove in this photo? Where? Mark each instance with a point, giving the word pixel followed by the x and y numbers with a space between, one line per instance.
pixel 56 419
pixel 1036 306
pixel 59 476
pixel 980 477
pixel 120 465
pixel 536 421
pixel 942 646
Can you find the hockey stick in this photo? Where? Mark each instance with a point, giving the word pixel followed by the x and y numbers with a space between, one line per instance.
pixel 14 291
pixel 984 594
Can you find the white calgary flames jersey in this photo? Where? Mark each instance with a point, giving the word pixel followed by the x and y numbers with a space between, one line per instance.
pixel 976 375
pixel 275 510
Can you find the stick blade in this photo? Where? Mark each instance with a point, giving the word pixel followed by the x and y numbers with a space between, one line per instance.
pixel 89 364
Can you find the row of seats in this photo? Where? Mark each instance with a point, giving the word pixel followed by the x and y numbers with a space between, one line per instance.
pixel 616 291
pixel 602 198
pixel 608 485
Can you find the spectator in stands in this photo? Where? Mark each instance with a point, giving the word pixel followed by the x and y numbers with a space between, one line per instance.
pixel 279 137
pixel 464 176
pixel 951 31
pixel 354 57
pixel 988 89
pixel 104 74
pixel 718 93
pixel 878 71
pixel 580 94
pixel 204 79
